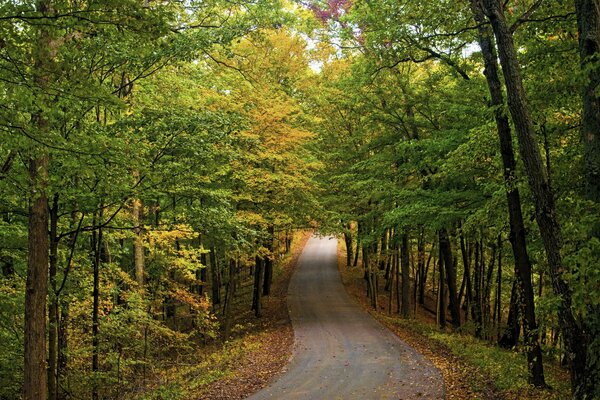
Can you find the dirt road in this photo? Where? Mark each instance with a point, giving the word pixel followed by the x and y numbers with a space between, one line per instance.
pixel 340 352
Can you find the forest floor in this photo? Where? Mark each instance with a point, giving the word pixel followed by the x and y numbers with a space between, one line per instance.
pixel 471 368
pixel 265 345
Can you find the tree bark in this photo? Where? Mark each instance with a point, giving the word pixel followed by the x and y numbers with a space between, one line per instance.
pixel 268 263
pixel 53 307
pixel 517 226
pixel 450 272
pixel 588 26
pixel 405 267
pixel 35 384
pixel 215 273
pixel 576 340
pixel 138 242
pixel 441 295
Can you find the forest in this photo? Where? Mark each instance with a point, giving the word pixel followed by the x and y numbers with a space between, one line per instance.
pixel 160 159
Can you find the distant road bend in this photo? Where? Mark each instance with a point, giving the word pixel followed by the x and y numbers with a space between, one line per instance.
pixel 340 351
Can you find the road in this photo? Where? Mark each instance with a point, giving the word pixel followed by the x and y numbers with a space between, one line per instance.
pixel 340 351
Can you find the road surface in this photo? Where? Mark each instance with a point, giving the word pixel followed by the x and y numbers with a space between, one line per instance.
pixel 340 351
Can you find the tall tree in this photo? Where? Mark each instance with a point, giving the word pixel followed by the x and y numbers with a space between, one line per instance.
pixel 576 338
pixel 517 226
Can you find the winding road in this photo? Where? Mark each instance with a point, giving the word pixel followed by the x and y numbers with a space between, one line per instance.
pixel 340 351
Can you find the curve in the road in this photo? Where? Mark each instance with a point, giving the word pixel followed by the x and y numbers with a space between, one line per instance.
pixel 340 351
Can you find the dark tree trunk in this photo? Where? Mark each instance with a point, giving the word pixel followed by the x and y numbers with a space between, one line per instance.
pixel 268 263
pixel 498 297
pixel 588 26
pixel 466 257
pixel 215 273
pixel 348 242
pixel 574 333
pixel 517 227
pixel 478 292
pixel 229 294
pixel 421 272
pixel 510 337
pixel 405 267
pixel 259 264
pixel 441 295
pixel 450 272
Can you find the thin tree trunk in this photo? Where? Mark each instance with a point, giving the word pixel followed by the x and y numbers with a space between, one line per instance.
pixel 441 295
pixel 96 246
pixel 405 266
pixel 53 306
pixel 268 263
pixel 258 279
pixel 450 272
pixel 138 242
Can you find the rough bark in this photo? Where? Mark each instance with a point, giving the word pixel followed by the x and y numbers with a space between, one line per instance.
pixel 517 226
pixel 576 340
pixel 35 382
pixel 588 26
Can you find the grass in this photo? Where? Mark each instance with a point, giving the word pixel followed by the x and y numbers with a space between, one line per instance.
pixel 506 369
pixel 185 381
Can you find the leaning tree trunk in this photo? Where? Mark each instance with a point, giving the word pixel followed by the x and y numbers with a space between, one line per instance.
pixel 574 333
pixel 517 227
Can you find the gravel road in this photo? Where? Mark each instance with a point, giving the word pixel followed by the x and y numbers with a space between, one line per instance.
pixel 340 351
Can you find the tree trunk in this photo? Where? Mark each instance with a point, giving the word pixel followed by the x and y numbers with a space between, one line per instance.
pixel 215 273
pixel 477 290
pixel 510 337
pixel 268 263
pixel 574 332
pixel 53 307
pixel 498 297
pixel 517 227
pixel 348 242
pixel 96 246
pixel 441 295
pixel 35 384
pixel 450 272
pixel 405 267
pixel 138 242
pixel 588 26
pixel 259 264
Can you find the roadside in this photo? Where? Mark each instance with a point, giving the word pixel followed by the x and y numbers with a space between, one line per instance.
pixel 472 369
pixel 256 353
pixel 267 343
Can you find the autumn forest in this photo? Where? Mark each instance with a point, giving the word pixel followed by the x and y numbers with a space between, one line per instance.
pixel 163 163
